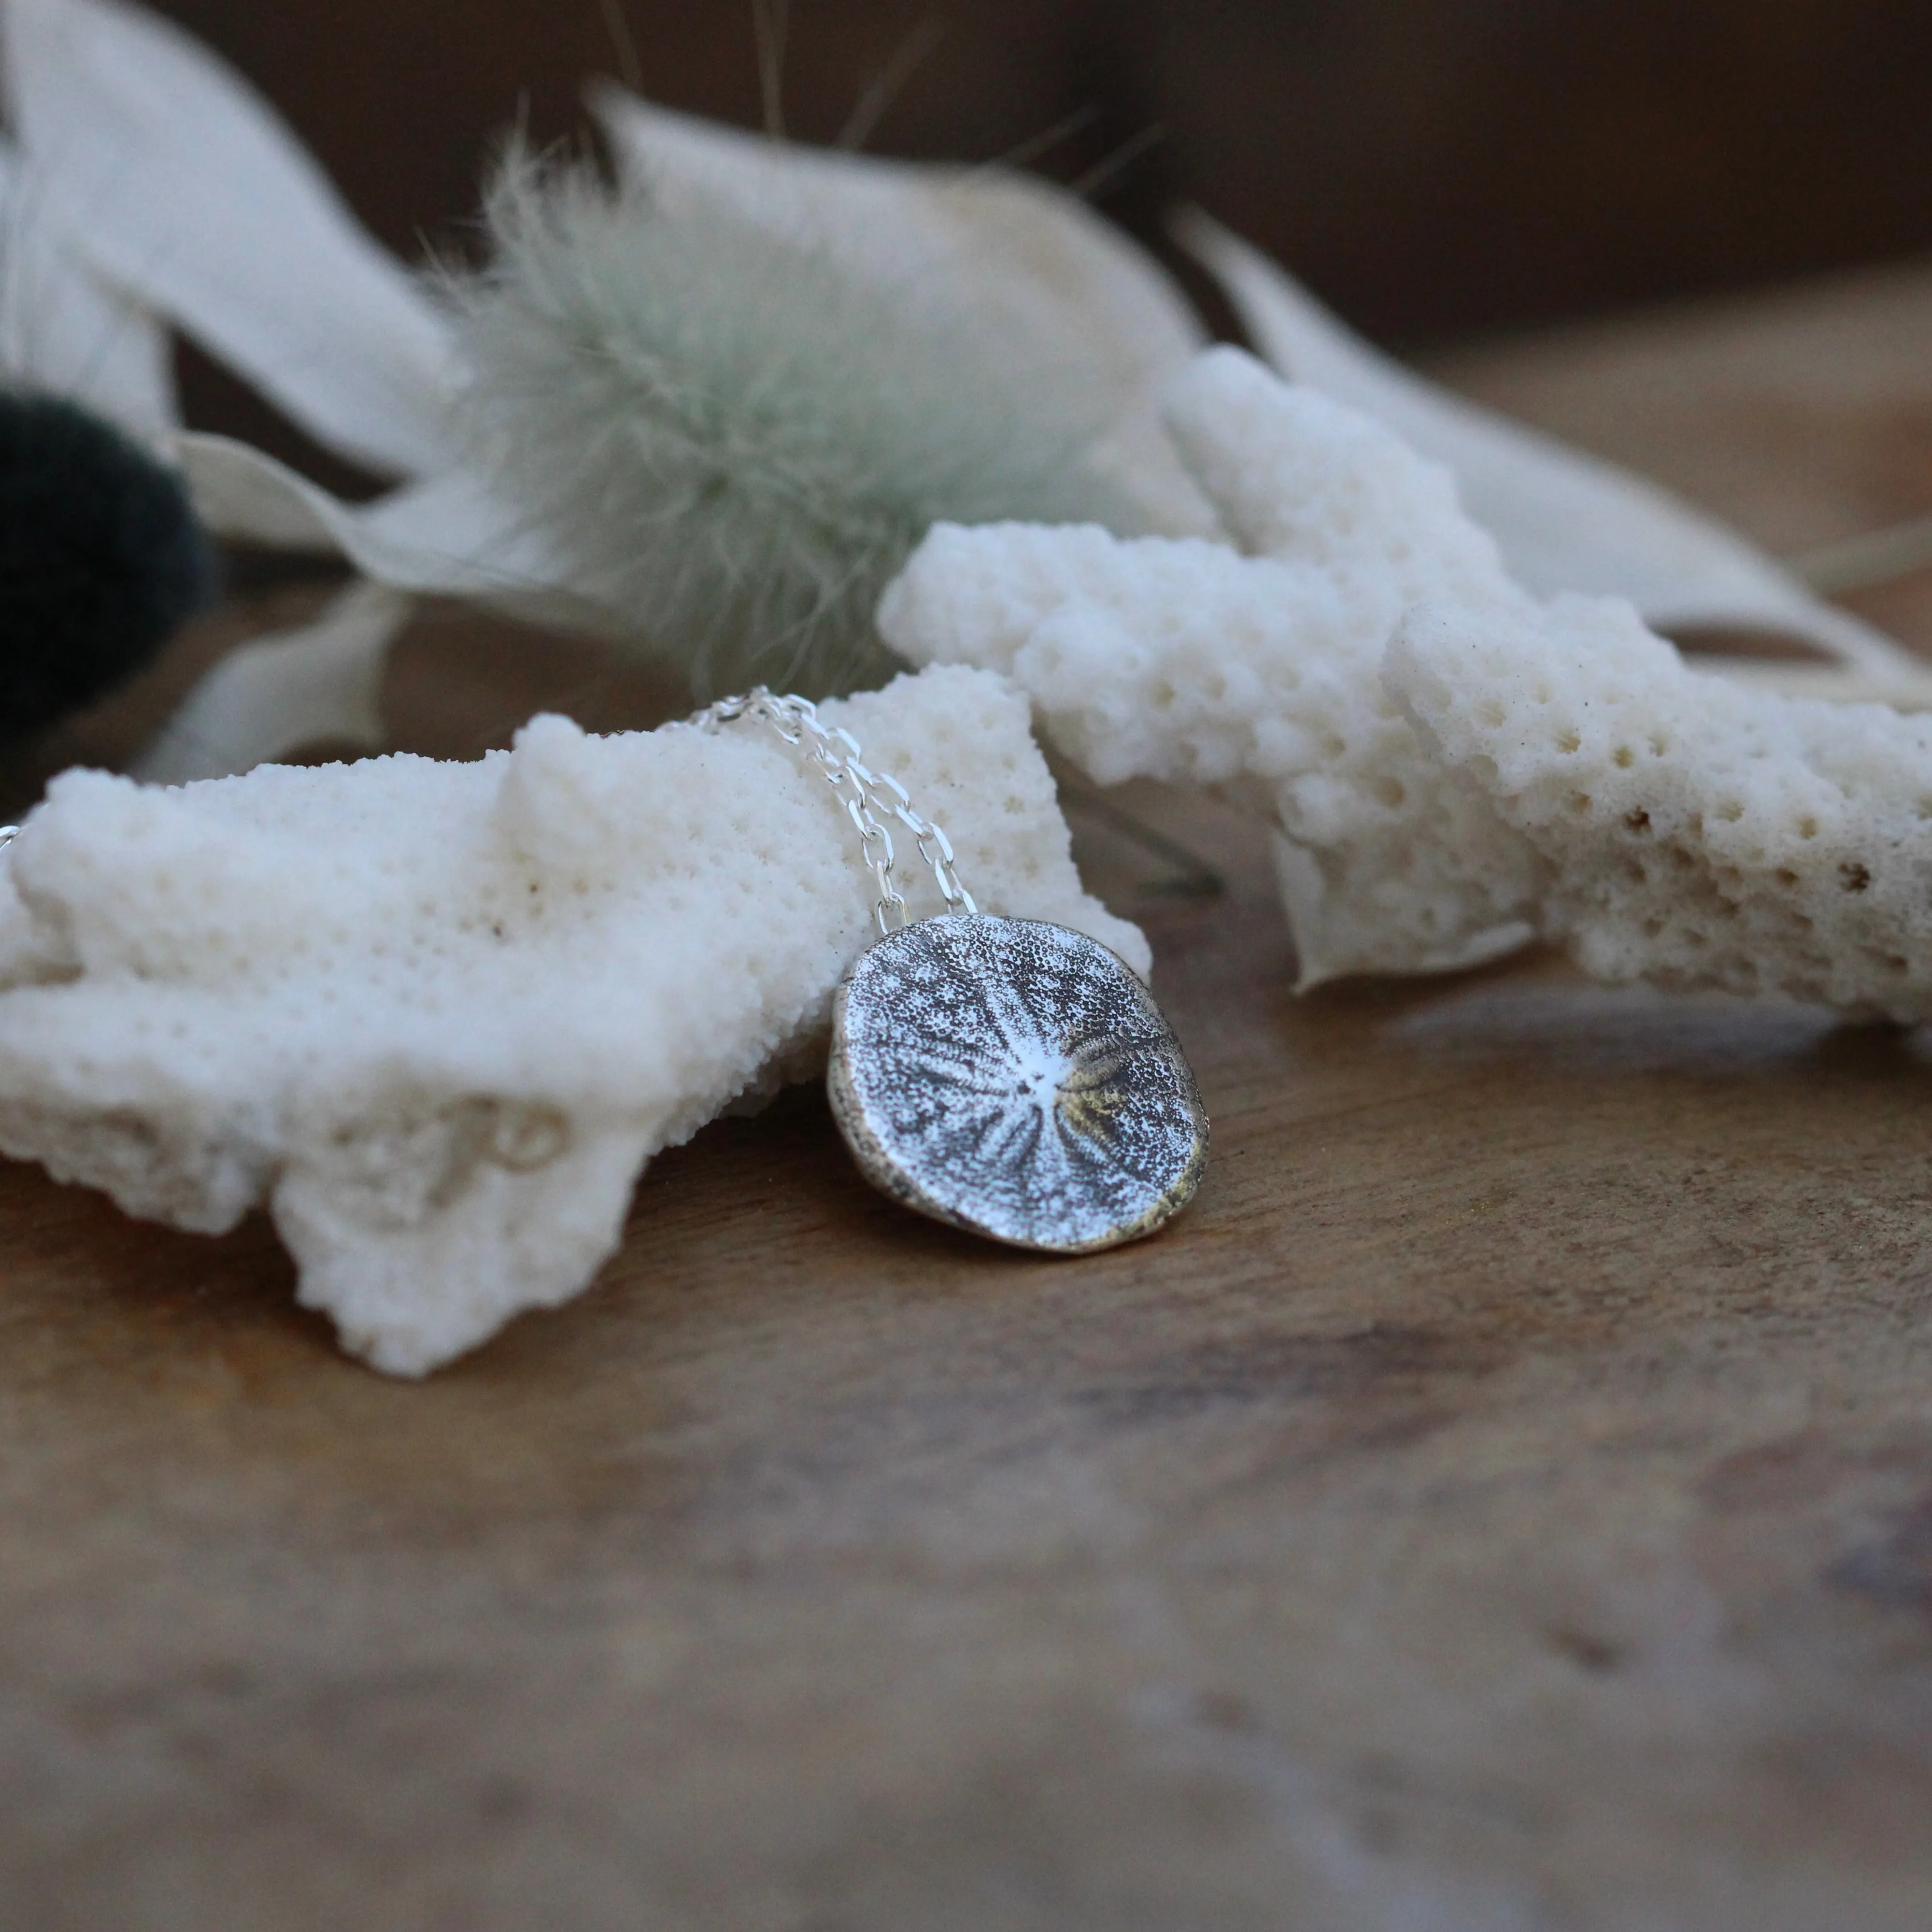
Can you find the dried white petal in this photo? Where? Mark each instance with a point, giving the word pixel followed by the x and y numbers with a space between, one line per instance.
pixel 1005 250
pixel 438 1016
pixel 1565 521
pixel 1693 833
pixel 319 684
pixel 64 332
pixel 185 190
pixel 1188 662
pixel 449 535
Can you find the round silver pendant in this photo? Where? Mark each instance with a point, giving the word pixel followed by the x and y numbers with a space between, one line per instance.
pixel 1017 1080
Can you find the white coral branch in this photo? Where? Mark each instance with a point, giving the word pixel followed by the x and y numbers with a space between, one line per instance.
pixel 1696 833
pixel 1189 662
pixel 1506 767
pixel 438 1016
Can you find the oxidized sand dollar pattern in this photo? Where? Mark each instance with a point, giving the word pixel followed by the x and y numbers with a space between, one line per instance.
pixel 1015 1079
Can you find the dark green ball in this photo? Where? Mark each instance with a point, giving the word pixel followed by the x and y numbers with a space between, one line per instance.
pixel 101 559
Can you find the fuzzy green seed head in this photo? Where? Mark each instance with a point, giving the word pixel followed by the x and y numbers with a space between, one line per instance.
pixel 735 441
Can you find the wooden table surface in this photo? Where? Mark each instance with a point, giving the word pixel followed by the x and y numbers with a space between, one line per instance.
pixel 1503 1501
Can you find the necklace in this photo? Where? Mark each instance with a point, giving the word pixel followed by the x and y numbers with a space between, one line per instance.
pixel 1009 1077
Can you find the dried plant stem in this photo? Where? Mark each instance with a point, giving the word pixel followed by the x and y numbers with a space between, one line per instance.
pixel 623 44
pixel 1111 167
pixel 886 86
pixel 1024 153
pixel 772 20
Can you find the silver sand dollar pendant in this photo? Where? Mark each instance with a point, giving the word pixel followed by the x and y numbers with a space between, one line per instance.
pixel 1017 1080
pixel 1009 1077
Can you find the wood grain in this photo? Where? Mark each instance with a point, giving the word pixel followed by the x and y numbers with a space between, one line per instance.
pixel 1505 1501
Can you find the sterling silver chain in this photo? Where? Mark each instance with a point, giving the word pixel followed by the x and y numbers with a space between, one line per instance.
pixel 870 798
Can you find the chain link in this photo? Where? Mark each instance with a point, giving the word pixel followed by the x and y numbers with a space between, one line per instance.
pixel 870 798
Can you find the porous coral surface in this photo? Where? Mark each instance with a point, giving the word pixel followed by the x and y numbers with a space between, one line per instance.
pixel 438 1016
pixel 1452 764
pixel 1695 832
pixel 1259 670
